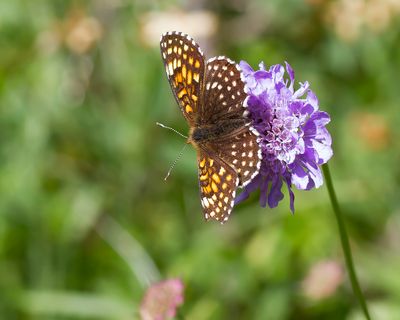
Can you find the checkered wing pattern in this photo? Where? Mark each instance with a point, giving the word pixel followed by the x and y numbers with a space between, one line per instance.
pixel 218 183
pixel 224 90
pixel 223 99
pixel 242 152
pixel 233 158
pixel 184 65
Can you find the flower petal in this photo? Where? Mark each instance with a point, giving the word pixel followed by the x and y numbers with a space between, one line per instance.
pixel 314 172
pixel 275 194
pixel 300 92
pixel 312 100
pixel 290 72
pixel 299 177
pixel 291 194
pixel 323 151
pixel 263 191
pixel 247 70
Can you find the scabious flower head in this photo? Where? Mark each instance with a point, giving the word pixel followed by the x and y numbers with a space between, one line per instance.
pixel 161 300
pixel 293 137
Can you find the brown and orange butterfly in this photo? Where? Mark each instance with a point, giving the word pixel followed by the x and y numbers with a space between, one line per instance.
pixel 211 94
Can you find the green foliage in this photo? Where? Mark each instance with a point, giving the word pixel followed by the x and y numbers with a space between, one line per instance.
pixel 86 219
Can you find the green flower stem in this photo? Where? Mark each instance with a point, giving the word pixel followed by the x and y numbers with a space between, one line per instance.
pixel 345 242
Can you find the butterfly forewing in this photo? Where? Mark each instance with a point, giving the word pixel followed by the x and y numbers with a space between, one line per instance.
pixel 224 90
pixel 218 183
pixel 184 65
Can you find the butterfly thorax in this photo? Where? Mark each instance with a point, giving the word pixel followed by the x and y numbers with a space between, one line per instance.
pixel 209 132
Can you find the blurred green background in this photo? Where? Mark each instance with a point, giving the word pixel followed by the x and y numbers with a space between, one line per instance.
pixel 86 219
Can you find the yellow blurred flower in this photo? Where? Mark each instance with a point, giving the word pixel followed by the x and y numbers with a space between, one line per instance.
pixel 78 31
pixel 348 17
pixel 199 24
pixel 372 129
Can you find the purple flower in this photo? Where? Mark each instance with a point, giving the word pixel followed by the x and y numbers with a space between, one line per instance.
pixel 161 300
pixel 293 138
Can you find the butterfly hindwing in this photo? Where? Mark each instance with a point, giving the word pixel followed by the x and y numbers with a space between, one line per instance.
pixel 242 152
pixel 218 183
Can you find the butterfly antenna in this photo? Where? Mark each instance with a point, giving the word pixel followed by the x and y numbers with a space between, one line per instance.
pixel 176 160
pixel 172 129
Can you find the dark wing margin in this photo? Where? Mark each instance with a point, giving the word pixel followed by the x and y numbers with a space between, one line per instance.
pixel 185 66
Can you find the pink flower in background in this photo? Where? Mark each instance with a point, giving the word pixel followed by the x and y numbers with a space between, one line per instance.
pixel 161 300
pixel 323 279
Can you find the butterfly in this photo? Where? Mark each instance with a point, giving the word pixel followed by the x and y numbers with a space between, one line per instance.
pixel 211 97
